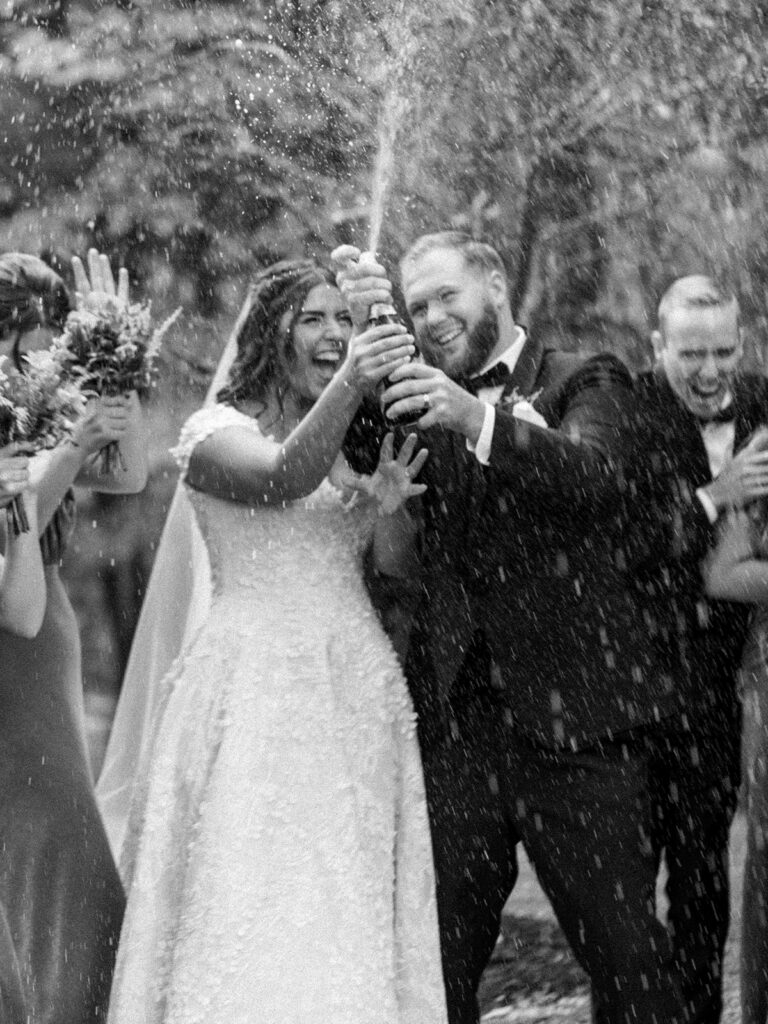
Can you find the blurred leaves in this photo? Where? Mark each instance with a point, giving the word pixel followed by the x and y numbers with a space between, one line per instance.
pixel 603 145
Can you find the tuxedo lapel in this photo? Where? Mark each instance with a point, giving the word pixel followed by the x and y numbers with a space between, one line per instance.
pixel 526 370
pixel 449 482
pixel 750 409
pixel 522 379
pixel 742 421
pixel 471 481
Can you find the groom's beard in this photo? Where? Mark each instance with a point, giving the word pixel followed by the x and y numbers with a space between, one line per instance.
pixel 481 341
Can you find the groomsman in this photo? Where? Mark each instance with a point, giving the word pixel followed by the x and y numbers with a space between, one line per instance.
pixel 696 409
pixel 529 662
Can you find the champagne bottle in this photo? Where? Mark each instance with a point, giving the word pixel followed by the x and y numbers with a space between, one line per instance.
pixel 385 313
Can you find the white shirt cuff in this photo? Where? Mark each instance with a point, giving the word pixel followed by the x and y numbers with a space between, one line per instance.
pixel 708 505
pixel 482 450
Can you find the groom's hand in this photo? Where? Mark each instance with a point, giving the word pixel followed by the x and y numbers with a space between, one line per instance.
pixel 417 387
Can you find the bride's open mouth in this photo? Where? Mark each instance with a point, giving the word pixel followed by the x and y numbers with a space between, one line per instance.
pixel 328 360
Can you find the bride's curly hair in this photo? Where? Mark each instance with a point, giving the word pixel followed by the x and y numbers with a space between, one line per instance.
pixel 31 295
pixel 264 346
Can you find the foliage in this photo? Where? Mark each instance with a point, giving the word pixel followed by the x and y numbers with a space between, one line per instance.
pixel 585 137
pixel 604 146
pixel 196 140
pixel 38 406
pixel 112 350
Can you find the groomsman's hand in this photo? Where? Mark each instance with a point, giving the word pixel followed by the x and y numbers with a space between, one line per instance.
pixel 744 479
pixel 417 387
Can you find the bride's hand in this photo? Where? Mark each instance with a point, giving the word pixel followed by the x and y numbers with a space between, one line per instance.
pixel 392 483
pixel 99 292
pixel 374 354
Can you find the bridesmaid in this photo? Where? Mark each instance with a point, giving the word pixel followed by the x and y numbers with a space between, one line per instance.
pixel 61 900
pixel 22 583
pixel 22 606
pixel 738 571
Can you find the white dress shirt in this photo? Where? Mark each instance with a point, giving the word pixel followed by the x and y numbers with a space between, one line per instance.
pixel 491 396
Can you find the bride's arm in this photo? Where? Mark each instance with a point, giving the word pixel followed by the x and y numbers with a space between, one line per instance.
pixel 734 572
pixel 237 464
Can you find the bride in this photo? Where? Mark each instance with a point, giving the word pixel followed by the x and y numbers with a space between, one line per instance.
pixel 277 859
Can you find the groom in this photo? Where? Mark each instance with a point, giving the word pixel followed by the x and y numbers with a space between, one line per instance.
pixel 528 663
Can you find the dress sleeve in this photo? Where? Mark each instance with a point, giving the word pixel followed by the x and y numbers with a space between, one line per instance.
pixel 202 424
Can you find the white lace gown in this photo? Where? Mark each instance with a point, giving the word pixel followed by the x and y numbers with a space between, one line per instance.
pixel 278 856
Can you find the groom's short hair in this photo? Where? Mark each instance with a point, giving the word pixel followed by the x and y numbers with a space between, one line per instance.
pixel 476 254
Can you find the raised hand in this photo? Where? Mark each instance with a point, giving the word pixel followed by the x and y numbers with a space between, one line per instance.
pixel 97 291
pixel 745 478
pixel 362 280
pixel 391 485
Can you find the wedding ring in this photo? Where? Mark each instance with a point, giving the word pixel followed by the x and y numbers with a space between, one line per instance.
pixel 425 400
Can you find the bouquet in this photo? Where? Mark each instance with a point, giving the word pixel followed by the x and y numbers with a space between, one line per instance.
pixel 38 409
pixel 111 351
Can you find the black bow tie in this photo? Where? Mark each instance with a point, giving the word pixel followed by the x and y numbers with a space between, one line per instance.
pixel 726 415
pixel 497 375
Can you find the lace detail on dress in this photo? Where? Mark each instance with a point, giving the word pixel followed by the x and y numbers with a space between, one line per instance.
pixel 202 424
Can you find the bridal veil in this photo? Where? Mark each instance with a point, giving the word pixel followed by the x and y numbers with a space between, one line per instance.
pixel 176 604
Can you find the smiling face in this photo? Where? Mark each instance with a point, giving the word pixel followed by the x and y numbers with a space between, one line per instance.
pixel 454 307
pixel 700 350
pixel 319 335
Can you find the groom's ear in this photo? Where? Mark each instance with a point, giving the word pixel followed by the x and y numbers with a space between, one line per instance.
pixel 498 288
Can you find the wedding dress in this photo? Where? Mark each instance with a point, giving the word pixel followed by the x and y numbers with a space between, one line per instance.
pixel 277 860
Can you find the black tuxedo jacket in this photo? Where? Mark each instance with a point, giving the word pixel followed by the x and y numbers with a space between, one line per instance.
pixel 529 552
pixel 699 639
